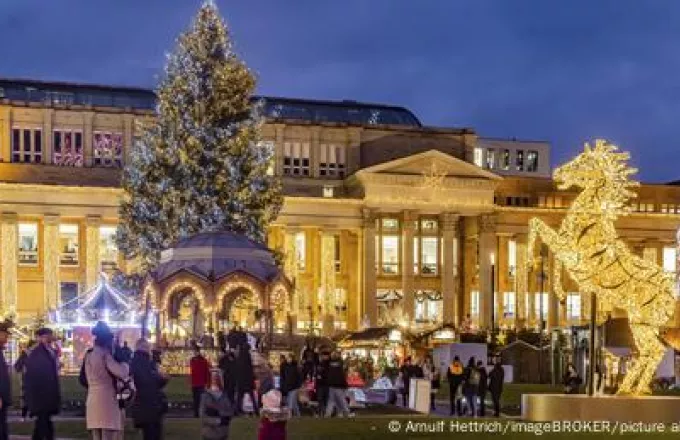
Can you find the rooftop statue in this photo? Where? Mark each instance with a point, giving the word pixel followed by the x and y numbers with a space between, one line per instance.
pixel 588 248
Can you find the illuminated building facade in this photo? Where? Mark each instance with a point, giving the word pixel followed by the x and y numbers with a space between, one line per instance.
pixel 384 221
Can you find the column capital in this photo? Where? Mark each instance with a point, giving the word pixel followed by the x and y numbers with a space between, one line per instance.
pixel 487 223
pixel 51 219
pixel 368 216
pixel 449 221
pixel 93 220
pixel 9 217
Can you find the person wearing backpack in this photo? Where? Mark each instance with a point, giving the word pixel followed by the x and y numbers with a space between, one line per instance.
pixel 103 413
pixel 454 375
pixel 471 385
pixel 482 388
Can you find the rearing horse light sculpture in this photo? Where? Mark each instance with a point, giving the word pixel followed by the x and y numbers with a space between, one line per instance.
pixel 589 249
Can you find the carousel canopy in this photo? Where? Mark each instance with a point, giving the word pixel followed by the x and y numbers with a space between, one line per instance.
pixel 101 297
pixel 213 255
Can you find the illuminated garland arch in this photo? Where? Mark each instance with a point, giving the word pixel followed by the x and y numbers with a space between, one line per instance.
pixel 280 297
pixel 150 291
pixel 183 284
pixel 239 283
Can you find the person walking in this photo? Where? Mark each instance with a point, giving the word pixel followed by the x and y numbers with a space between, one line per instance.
pixel 20 368
pixel 283 363
pixel 432 374
pixel 125 353
pixel 321 382
pixel 5 381
pixel 245 378
pixel 496 379
pixel 227 366
pixel 572 380
pixel 43 392
pixel 150 403
pixel 406 371
pixel 455 375
pixel 216 410
pixel 471 385
pixel 103 415
pixel 292 381
pixel 199 370
pixel 337 387
pixel 481 388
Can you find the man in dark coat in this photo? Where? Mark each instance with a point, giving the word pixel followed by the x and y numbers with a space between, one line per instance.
pixel 496 378
pixel 245 378
pixel 321 382
pixel 5 382
pixel 150 402
pixel 481 388
pixel 43 392
pixel 227 365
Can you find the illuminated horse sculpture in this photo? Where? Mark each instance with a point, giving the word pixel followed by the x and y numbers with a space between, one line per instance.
pixel 587 246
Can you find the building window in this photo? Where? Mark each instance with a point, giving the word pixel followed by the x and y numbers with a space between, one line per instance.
pixel 505 160
pixel 509 304
pixel 426 247
pixel 296 159
pixel 328 191
pixel 69 295
pixel 512 257
pixel 332 161
pixel 474 304
pixel 300 251
pixel 108 251
pixel 669 259
pixel 59 98
pixel 28 244
pixel 538 308
pixel 428 307
pixel 68 245
pixel 479 156
pixel 573 306
pixel 532 161
pixel 107 149
pixel 67 148
pixel 388 246
pixel 27 145
pixel 491 158
pixel 519 160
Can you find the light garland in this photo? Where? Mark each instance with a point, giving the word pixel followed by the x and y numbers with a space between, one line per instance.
pixel 51 270
pixel 185 284
pixel 328 273
pixel 92 251
pixel 588 247
pixel 233 285
pixel 9 264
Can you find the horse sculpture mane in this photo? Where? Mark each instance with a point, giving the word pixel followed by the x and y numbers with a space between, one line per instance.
pixel 587 247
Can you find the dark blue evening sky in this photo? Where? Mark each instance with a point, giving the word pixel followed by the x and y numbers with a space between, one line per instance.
pixel 562 71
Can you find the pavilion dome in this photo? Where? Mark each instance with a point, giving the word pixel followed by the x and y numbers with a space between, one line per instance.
pixel 214 255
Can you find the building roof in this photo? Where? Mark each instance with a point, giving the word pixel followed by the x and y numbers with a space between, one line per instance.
pixel 102 297
pixel 274 108
pixel 214 255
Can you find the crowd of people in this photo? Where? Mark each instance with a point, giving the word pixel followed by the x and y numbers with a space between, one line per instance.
pixel 469 386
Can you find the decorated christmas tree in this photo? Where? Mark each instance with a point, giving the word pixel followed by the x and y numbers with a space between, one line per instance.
pixel 200 166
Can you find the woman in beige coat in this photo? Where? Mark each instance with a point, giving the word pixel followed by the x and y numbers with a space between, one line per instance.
pixel 104 417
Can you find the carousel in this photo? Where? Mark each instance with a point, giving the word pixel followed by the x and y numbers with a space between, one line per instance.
pixel 74 320
pixel 210 283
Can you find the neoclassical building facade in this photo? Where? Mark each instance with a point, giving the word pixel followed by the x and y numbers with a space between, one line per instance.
pixel 385 221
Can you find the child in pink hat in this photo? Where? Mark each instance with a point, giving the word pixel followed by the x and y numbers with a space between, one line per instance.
pixel 273 418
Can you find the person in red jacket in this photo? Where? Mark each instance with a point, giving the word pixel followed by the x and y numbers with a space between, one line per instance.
pixel 199 368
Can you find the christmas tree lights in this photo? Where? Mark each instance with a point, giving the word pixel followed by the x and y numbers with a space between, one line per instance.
pixel 588 248
pixel 200 165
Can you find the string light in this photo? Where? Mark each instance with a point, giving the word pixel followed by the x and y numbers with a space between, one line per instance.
pixel 588 247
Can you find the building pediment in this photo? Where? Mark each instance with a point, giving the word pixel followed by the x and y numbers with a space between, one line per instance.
pixel 431 180
pixel 423 163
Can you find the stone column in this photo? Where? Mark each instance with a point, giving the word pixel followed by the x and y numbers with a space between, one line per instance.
pixel 407 283
pixel 328 281
pixel 278 148
pixel 5 134
pixel 521 281
pixel 314 149
pixel 51 261
pixel 553 319
pixel 448 272
pixel 128 135
pixel 88 134
pixel 92 260
pixel 503 279
pixel 48 115
pixel 369 284
pixel 487 249
pixel 10 254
